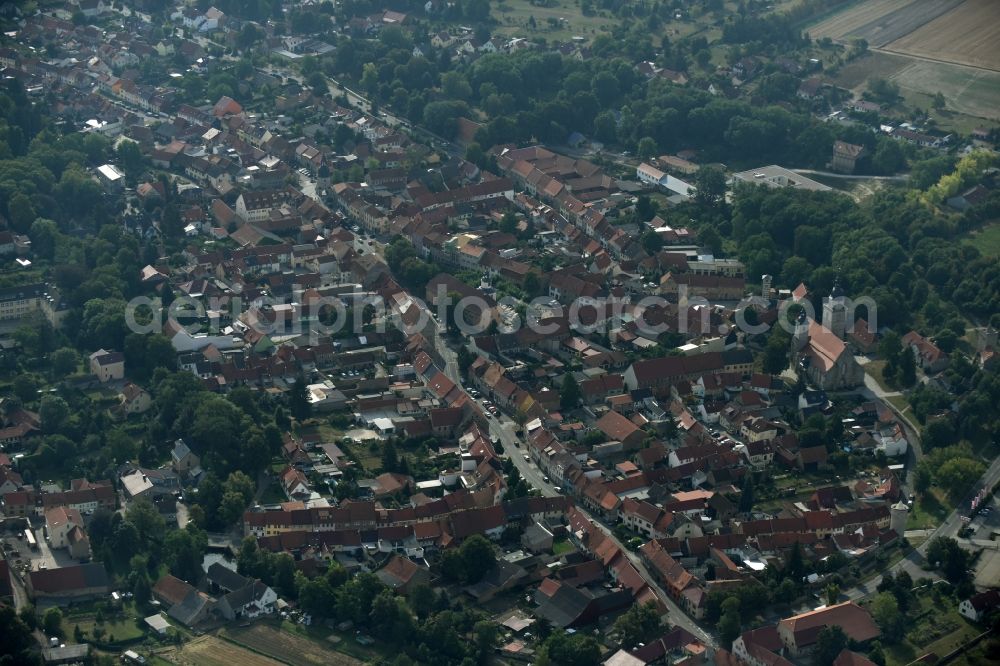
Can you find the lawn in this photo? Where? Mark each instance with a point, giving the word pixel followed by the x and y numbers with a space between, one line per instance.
pixel 123 626
pixel 986 240
pixel 928 511
pixel 560 546
pixel 877 370
pixel 899 402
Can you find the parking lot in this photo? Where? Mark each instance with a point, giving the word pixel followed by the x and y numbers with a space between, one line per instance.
pixel 23 558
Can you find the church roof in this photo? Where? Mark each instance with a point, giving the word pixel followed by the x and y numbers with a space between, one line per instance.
pixel 824 347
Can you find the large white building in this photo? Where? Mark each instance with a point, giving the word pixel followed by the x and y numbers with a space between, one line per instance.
pixel 650 175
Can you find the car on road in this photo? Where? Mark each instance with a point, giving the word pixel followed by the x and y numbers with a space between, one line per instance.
pixel 527 458
pixel 545 479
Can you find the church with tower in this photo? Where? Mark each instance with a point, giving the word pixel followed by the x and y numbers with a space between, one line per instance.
pixel 819 353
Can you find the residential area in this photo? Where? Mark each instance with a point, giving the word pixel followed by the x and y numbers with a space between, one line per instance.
pixel 431 333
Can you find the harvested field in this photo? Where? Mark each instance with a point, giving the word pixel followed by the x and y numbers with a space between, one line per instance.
pixel 882 21
pixel 974 92
pixel 968 34
pixel 288 647
pixel 903 21
pixel 212 651
pixel 838 26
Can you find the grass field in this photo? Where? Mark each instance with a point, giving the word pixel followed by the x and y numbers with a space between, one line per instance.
pixel 857 73
pixel 928 512
pixel 212 651
pixel 967 34
pixel 287 645
pixel 123 627
pixel 973 92
pixel 876 370
pixel 986 240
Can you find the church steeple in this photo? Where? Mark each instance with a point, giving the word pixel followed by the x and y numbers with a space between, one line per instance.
pixel 835 310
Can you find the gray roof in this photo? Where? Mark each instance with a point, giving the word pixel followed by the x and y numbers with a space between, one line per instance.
pixel 189 611
pixel 66 652
pixel 253 591
pixel 180 451
pixel 226 578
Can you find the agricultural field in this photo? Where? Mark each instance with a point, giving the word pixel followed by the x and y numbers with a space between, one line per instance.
pixel 970 94
pixel 973 92
pixel 287 646
pixel 968 34
pixel 841 25
pixel 212 651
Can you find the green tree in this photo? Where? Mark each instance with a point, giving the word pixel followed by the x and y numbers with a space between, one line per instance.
pixel 830 642
pixel 729 624
pixel 64 361
pixel 562 649
pixel 26 387
pixel 486 636
pixel 16 641
pixel 647 147
pixel 639 624
pixel 885 611
pixel 776 352
pixel 52 622
pixel 298 399
pixel 923 478
pixel 958 474
pixel 876 654
pixel 569 392
pixel 238 482
pixel 477 557
pixel 907 369
pixel 53 412
pixel 184 551
pixel 747 495
pixel 146 519
pixel 710 187
pixel 652 242
pixel 141 589
pixel 390 459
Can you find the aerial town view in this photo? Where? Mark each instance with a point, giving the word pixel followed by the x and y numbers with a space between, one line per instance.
pixel 500 332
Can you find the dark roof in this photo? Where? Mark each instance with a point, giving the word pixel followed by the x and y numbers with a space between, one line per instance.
pixel 225 577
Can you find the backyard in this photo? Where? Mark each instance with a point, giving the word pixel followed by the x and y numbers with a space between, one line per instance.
pixel 933 626
pixel 115 626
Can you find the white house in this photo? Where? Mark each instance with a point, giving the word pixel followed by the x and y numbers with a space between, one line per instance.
pixel 978 606
pixel 59 521
pixel 250 602
pixel 650 175
pixel 107 365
